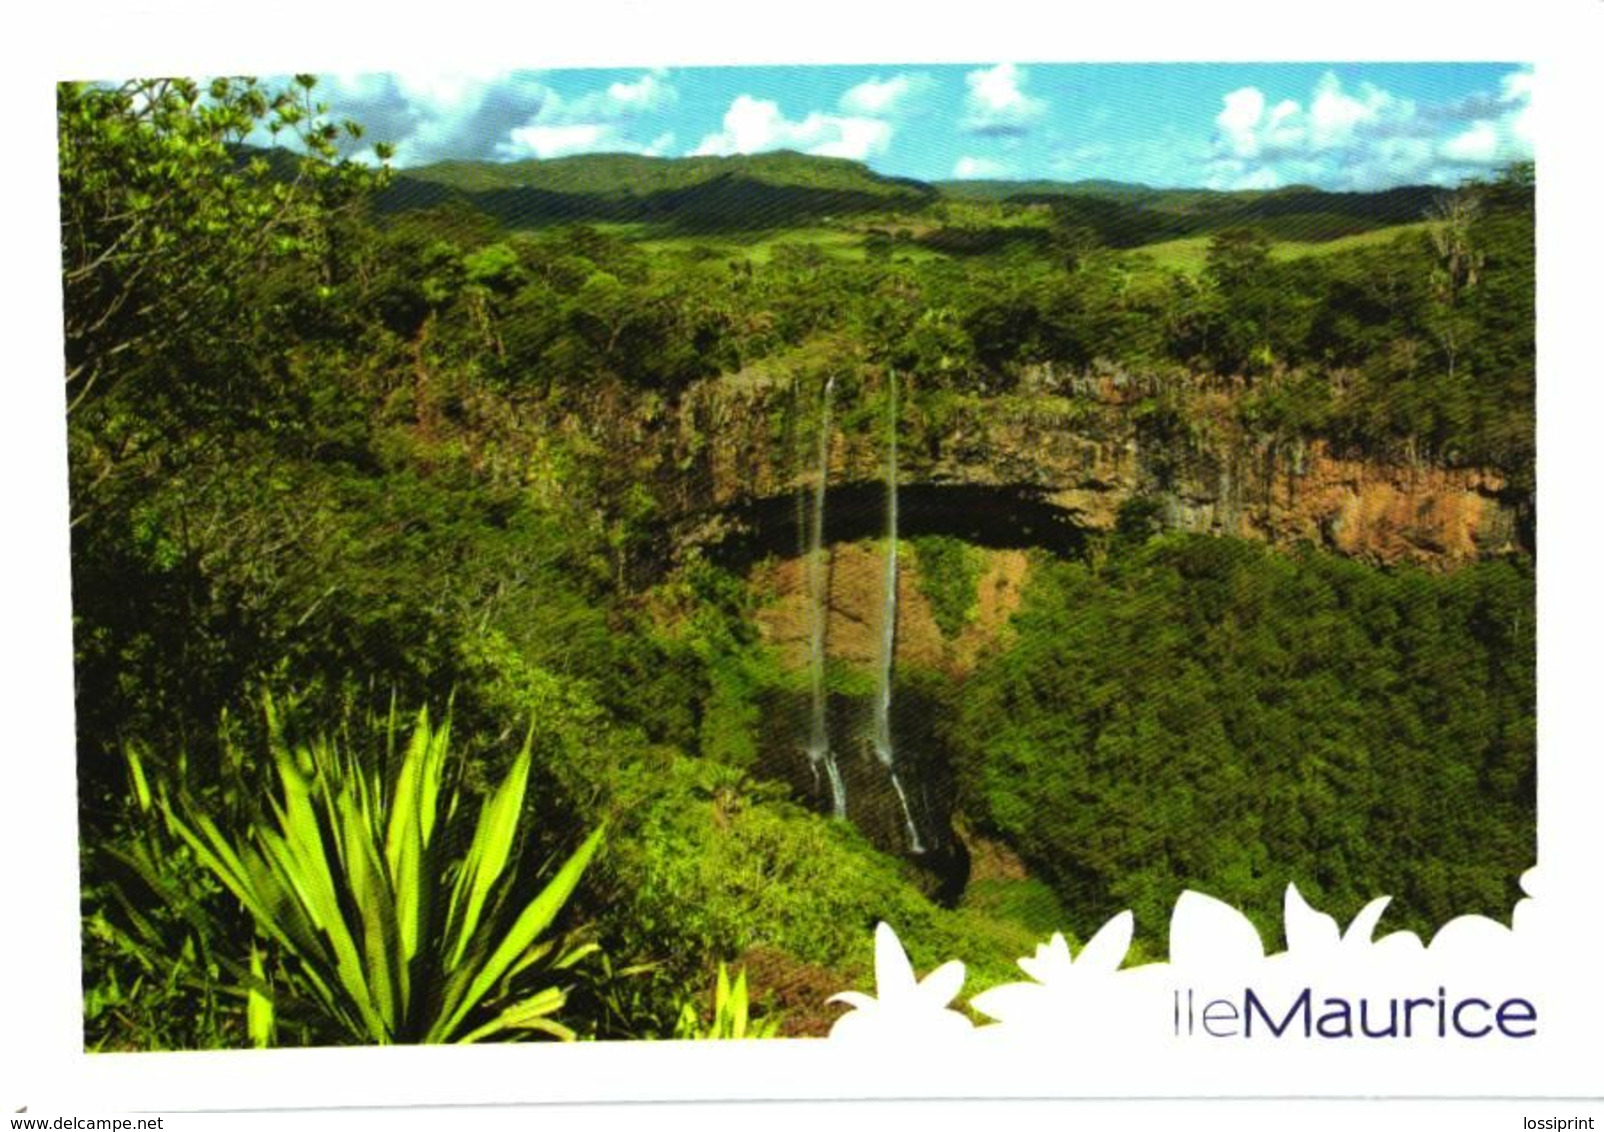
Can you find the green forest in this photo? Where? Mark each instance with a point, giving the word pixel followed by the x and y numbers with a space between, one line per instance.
pixel 439 542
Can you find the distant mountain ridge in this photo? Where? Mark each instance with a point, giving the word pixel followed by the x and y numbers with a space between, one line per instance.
pixel 783 188
pixel 1000 190
pixel 757 190
pixel 1298 212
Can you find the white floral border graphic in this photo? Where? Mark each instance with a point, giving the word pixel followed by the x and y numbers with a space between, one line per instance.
pixel 1209 941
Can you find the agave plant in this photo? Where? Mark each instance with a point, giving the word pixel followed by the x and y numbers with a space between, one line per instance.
pixel 731 1014
pixel 390 937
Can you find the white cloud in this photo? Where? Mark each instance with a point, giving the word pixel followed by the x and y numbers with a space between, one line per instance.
pixel 1334 119
pixel 1516 86
pixel 1335 116
pixel 540 141
pixel 489 115
pixel 355 86
pixel 1478 145
pixel 1282 126
pixel 593 122
pixel 1517 96
pixel 968 168
pixel 1363 139
pixel 649 92
pixel 881 97
pixel 619 101
pixel 1239 121
pixel 755 125
pixel 1520 131
pixel 1502 138
pixel 554 141
pixel 997 103
pixel 446 92
pixel 430 116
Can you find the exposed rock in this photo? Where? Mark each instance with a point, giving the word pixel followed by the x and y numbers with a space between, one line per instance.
pixel 1391 513
pixel 1092 453
pixel 854 597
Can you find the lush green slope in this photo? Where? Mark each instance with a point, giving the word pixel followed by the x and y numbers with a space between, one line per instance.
pixel 1189 254
pixel 993 190
pixel 1201 713
pixel 767 190
pixel 781 189
pixel 634 175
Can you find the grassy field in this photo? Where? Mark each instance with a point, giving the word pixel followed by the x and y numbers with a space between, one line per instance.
pixel 836 242
pixel 1188 256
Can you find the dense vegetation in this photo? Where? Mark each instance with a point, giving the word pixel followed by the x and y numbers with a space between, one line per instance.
pixel 692 193
pixel 1201 713
pixel 335 461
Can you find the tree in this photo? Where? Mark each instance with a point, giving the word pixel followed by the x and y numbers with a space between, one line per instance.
pixel 166 221
pixel 1238 265
pixel 1457 270
pixel 1237 258
pixel 186 256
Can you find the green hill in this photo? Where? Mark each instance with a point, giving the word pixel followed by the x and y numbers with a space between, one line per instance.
pixel 1008 190
pixel 784 189
pixel 1129 216
pixel 697 193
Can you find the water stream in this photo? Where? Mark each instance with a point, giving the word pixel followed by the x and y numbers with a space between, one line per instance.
pixel 884 749
pixel 820 757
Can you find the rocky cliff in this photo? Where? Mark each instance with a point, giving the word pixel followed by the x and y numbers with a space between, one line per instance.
pixel 1089 454
pixel 853 609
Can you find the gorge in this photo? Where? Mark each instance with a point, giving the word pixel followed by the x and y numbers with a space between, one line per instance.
pixel 826 537
pixel 1060 466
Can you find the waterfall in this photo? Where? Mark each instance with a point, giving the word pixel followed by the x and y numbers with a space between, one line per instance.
pixel 888 608
pixel 819 753
pixel 883 748
pixel 800 464
pixel 914 844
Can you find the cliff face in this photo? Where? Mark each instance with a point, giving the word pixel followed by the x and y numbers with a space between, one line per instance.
pixel 853 609
pixel 1090 455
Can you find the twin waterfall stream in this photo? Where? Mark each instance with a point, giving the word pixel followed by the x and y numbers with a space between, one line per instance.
pixel 820 755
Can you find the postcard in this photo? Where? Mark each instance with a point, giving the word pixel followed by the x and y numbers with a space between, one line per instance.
pixel 927 566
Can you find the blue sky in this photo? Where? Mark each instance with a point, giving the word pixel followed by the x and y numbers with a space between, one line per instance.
pixel 1339 126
